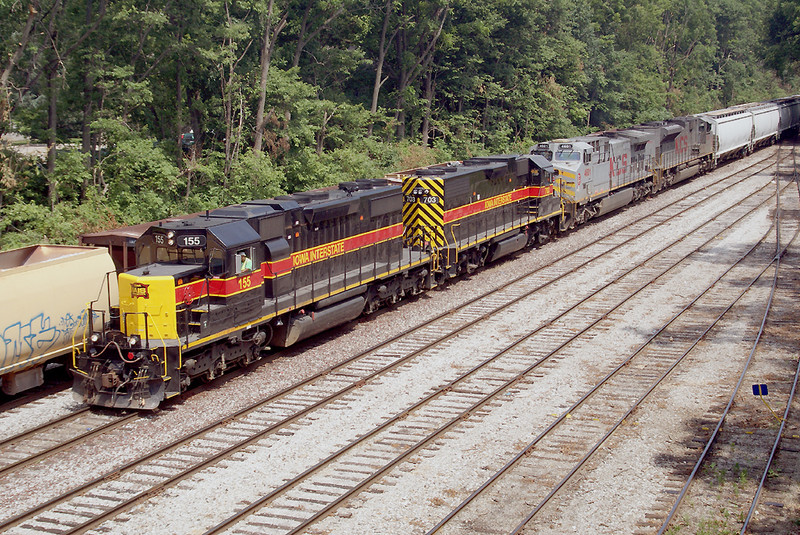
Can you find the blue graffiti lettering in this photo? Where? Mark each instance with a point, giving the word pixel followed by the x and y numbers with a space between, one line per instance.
pixel 37 336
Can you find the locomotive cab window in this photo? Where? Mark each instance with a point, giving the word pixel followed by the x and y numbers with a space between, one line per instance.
pixel 190 256
pixel 216 262
pixel 244 260
pixel 149 252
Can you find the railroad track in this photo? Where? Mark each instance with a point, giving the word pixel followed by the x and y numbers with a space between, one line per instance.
pixel 321 489
pixel 775 499
pixel 532 475
pixel 51 386
pixel 759 443
pixel 243 432
pixel 52 437
pixel 756 444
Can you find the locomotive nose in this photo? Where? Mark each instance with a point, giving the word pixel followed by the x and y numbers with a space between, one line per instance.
pixel 147 305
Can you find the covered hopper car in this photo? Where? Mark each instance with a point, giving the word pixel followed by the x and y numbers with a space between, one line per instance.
pixel 46 290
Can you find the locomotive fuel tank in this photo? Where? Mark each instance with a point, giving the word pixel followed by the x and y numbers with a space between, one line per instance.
pixel 46 289
pixel 301 325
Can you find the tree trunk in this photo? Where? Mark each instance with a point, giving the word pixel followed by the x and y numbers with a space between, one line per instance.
pixel 86 132
pixel 301 43
pixel 426 121
pixel 383 47
pixel 426 47
pixel 5 104
pixel 402 83
pixel 178 113
pixel 52 124
pixel 303 37
pixel 268 47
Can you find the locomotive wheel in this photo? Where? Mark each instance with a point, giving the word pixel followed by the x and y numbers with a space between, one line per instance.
pixel 253 354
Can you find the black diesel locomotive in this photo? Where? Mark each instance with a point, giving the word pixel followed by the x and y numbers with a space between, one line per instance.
pixel 215 290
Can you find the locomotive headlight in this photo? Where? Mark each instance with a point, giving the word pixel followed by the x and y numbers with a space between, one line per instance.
pixel 170 242
pixel 134 341
pixel 170 234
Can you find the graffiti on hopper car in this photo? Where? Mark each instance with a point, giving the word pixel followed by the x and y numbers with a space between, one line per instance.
pixel 35 336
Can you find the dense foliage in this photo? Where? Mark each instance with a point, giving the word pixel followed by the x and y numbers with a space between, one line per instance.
pixel 146 109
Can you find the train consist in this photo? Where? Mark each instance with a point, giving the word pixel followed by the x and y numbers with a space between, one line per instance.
pixel 215 290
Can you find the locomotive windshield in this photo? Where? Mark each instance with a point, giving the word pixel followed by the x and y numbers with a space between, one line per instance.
pixel 148 251
pixel 568 156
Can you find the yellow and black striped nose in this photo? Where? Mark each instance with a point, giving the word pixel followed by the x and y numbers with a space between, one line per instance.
pixel 423 211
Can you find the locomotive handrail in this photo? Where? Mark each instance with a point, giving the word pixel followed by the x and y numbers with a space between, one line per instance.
pixel 75 351
pixel 453 234
pixel 208 294
pixel 163 344
pixel 147 334
pixel 108 291
pixel 146 330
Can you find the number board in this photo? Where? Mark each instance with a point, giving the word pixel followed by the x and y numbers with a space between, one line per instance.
pixel 422 196
pixel 187 240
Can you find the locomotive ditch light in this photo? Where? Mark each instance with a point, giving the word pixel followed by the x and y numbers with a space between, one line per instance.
pixel 94 338
pixel 134 341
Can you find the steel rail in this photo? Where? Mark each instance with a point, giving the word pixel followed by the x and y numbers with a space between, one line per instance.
pixel 524 452
pixel 789 401
pixel 775 445
pixel 43 427
pixel 81 437
pixel 727 409
pixel 522 524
